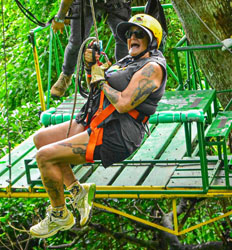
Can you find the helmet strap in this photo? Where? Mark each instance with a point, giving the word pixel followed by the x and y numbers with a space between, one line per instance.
pixel 141 54
pixel 150 47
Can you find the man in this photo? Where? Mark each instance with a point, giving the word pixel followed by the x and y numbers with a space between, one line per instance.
pixel 81 22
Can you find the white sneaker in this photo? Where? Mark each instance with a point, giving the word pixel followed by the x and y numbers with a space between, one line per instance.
pixel 83 202
pixel 51 225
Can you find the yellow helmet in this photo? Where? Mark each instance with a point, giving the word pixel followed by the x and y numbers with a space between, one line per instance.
pixel 146 22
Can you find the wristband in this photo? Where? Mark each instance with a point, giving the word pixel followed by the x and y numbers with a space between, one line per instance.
pixel 58 20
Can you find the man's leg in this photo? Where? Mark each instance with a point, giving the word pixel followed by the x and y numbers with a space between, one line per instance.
pixel 72 50
pixel 52 161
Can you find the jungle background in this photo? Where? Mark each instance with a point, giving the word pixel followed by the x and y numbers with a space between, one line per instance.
pixel 20 109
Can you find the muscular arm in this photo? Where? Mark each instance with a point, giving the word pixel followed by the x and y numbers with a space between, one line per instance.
pixel 64 7
pixel 143 83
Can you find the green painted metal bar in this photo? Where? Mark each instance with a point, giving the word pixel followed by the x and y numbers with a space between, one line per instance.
pixel 199 47
pixel 215 105
pixel 226 167
pixel 39 28
pixel 145 162
pixel 170 71
pixel 167 6
pixel 49 67
pixel 213 175
pixel 141 8
pixel 181 41
pixel 224 91
pixel 60 45
pixel 56 55
pixel 197 69
pixel 194 84
pixel 107 47
pixel 219 148
pixel 202 154
pixel 177 116
pixel 189 80
pixel 209 115
pixel 187 128
pixel 215 143
pixel 206 83
pixel 138 8
pixel 228 105
pixel 165 191
pixel 178 68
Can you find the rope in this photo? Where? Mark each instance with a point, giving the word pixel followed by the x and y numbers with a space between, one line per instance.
pixel 77 79
pixel 7 99
pixel 207 27
pixel 79 62
pixel 94 21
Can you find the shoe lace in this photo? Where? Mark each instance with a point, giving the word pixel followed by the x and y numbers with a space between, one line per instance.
pixel 48 217
pixel 76 201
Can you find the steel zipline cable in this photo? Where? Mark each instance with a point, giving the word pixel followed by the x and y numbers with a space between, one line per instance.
pixel 7 97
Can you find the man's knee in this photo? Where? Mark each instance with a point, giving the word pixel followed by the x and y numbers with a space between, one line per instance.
pixel 74 45
pixel 38 139
pixel 43 156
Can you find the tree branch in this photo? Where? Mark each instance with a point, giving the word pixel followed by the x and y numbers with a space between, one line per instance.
pixel 124 237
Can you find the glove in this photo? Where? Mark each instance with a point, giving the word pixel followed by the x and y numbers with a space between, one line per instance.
pixel 98 72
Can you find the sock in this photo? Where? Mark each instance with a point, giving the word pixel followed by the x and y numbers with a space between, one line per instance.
pixel 74 188
pixel 59 212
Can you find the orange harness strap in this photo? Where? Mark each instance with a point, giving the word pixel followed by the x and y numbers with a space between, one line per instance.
pixel 97 133
pixel 135 114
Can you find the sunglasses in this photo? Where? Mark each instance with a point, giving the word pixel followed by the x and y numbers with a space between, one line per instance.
pixel 140 34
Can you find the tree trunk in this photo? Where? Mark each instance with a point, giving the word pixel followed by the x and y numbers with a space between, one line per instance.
pixel 217 15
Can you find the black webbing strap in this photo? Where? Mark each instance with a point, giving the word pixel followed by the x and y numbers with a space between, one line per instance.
pixel 31 16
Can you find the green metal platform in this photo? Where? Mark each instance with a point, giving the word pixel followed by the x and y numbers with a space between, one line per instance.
pixel 171 161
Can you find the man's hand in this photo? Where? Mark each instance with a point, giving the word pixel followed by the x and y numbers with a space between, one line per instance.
pixel 57 26
pixel 89 56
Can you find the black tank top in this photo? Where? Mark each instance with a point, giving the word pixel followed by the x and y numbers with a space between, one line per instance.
pixel 118 77
pixel 120 74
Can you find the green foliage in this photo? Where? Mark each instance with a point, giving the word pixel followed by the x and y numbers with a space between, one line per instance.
pixel 23 122
pixel 18 88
